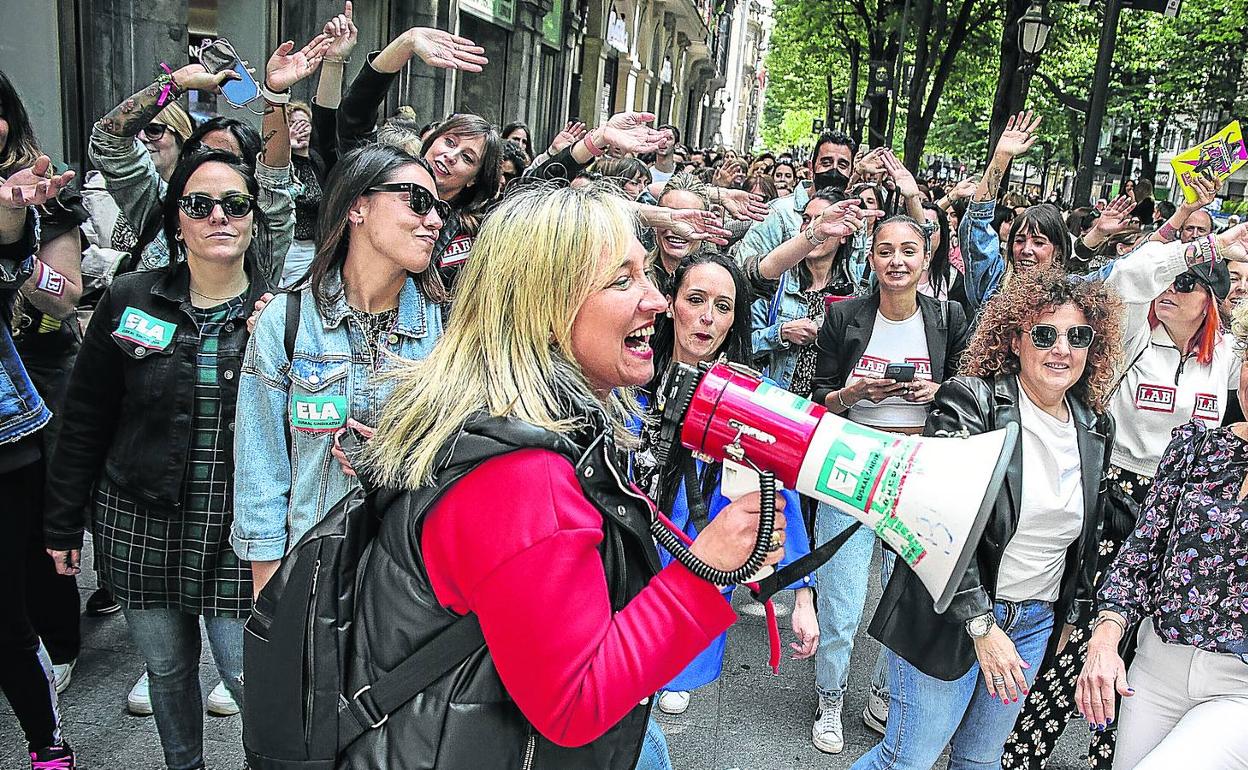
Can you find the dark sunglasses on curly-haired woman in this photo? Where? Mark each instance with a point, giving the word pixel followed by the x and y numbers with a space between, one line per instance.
pixel 1045 336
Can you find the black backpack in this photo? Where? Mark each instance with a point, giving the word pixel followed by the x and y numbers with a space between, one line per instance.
pixel 297 714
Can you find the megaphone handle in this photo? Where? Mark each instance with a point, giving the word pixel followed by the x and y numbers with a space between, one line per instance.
pixel 670 537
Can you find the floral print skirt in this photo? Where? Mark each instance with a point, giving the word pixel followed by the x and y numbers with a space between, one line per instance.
pixel 1051 700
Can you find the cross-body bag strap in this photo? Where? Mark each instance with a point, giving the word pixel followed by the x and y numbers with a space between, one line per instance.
pixel 294 306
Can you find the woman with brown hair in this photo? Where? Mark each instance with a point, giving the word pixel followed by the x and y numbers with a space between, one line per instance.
pixel 1043 358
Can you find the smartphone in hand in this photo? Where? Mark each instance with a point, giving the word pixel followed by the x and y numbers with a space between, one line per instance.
pixel 218 55
pixel 899 372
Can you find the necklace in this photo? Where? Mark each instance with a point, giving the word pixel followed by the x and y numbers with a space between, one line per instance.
pixel 375 327
pixel 201 295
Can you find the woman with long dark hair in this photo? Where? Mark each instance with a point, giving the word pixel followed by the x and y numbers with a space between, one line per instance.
pixel 370 300
pixel 708 319
pixel 151 401
pixel 27 675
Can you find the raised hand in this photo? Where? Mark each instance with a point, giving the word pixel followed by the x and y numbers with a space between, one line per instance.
pixel 1019 135
pixel 1206 190
pixel 628 132
pixel 284 68
pixel 342 35
pixel 963 189
pixel 900 175
pixel 842 219
pixel 727 172
pixel 697 225
pixel 32 186
pixel 194 76
pixel 743 204
pixel 1232 244
pixel 571 134
pixel 1114 217
pixel 870 164
pixel 438 48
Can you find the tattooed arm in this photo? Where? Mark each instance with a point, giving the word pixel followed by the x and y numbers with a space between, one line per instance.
pixel 1018 137
pixel 136 111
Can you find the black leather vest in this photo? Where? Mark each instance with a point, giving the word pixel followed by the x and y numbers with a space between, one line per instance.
pixel 466 719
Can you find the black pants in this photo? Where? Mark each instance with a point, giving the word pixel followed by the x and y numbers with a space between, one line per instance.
pixel 26 683
pixel 52 600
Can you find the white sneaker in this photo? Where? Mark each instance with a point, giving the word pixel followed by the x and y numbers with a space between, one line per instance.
pixel 61 674
pixel 220 702
pixel 674 702
pixel 828 734
pixel 875 713
pixel 139 701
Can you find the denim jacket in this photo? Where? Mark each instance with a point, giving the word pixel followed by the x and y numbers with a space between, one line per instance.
pixel 784 220
pixel 22 411
pixel 982 257
pixel 131 178
pixel 280 496
pixel 768 314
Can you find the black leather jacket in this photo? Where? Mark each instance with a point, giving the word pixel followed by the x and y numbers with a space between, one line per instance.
pixel 847 330
pixel 466 720
pixel 128 406
pixel 905 621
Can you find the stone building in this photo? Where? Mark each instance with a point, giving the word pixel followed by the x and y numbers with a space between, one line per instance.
pixel 550 60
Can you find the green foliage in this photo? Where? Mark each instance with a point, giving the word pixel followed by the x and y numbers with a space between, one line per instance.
pixel 1167 73
pixel 792 129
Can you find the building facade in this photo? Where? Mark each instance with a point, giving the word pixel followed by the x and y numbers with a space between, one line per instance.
pixel 550 60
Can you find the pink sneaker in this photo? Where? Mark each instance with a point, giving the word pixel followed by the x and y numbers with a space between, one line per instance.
pixel 53 758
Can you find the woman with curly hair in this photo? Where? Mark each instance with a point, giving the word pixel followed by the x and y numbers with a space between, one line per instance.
pixel 1177 366
pixel 1042 358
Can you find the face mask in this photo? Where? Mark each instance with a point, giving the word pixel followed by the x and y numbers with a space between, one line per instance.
pixel 833 178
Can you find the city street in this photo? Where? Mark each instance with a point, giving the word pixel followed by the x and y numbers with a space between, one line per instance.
pixel 749 719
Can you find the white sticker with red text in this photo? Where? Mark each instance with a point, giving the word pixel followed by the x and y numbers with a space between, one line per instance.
pixel 1206 408
pixel 1155 398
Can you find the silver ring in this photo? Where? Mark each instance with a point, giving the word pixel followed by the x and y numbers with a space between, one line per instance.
pixel 998 680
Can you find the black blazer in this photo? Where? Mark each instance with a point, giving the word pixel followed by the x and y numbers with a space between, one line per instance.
pixel 905 620
pixel 847 329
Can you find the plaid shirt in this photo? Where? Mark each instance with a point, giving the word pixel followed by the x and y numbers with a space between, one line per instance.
pixel 155 558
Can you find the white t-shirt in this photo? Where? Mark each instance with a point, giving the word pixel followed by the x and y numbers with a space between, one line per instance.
pixel 1051 516
pixel 660 177
pixel 892 342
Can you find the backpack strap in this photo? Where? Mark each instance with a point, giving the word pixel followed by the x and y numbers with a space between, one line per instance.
pixel 294 306
pixel 373 704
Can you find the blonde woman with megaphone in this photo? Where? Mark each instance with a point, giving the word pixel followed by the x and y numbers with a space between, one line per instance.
pixel 1043 357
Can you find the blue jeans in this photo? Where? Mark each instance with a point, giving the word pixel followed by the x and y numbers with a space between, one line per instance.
pixel 841 584
pixel 654 754
pixel 925 714
pixel 168 639
pixel 879 677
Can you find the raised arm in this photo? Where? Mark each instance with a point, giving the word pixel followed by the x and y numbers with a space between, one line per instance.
pixel 840 220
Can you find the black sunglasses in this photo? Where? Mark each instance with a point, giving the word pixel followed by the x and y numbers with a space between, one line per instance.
pixel 200 206
pixel 1185 283
pixel 152 132
pixel 1044 336
pixel 420 199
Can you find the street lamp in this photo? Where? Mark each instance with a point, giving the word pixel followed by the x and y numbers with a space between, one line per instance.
pixel 1033 29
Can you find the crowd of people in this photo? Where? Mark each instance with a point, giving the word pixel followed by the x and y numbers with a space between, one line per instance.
pixel 194 330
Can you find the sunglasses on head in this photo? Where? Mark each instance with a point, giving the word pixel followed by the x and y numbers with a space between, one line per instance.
pixel 1044 336
pixel 152 132
pixel 420 199
pixel 200 206
pixel 1186 283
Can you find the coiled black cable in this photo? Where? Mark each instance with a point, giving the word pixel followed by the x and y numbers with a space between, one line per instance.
pixel 766 525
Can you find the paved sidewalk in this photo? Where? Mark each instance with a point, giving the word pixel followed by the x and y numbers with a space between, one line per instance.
pixel 749 719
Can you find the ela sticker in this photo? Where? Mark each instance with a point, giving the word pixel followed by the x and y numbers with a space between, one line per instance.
pixel 318 413
pixel 144 330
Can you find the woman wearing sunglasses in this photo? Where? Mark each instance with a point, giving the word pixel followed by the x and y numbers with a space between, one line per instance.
pixel 1177 367
pixel 370 301
pixel 151 401
pixel 1042 358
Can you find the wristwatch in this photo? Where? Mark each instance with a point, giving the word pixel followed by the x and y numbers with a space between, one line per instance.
pixel 979 626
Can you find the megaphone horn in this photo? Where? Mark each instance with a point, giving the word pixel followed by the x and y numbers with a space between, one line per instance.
pixel 927 498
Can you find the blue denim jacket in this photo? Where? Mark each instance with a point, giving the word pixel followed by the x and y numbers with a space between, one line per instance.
pixel 22 411
pixel 277 498
pixel 768 314
pixel 981 254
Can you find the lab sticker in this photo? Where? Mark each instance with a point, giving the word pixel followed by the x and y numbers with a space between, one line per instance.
pixel 144 330
pixel 1154 398
pixel 318 413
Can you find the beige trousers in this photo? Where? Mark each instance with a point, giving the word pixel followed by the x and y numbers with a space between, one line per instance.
pixel 1189 710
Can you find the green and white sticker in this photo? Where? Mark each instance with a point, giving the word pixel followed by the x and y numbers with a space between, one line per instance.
pixel 318 413
pixel 145 330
